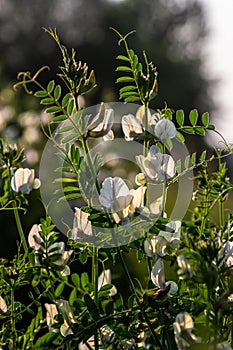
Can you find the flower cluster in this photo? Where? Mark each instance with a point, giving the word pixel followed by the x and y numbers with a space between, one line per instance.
pixel 157 247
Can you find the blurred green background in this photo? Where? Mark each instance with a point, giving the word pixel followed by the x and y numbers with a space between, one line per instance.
pixel 173 33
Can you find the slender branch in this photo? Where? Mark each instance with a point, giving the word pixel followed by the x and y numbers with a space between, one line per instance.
pixel 95 283
pixel 19 227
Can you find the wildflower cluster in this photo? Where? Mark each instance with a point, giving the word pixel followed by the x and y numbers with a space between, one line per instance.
pixel 181 296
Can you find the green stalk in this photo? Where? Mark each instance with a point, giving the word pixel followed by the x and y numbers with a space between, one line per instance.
pixel 19 227
pixel 13 329
pixel 132 287
pixel 164 197
pixel 89 162
pixel 221 212
pixel 145 143
pixel 95 283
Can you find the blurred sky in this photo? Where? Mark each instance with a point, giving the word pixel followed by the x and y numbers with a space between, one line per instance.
pixel 220 61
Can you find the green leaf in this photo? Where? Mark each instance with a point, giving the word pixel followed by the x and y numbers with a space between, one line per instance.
pixel 132 99
pixel 128 88
pixel 53 109
pixel 47 101
pixel 129 93
pixel 91 306
pixel 69 138
pixel 193 116
pixel 83 257
pixel 50 86
pixel 188 129
pixel 41 93
pixel 59 289
pixel 64 129
pixel 180 117
pixel 59 118
pixel 46 340
pixel 70 107
pixel 123 58
pixel 123 69
pixel 168 114
pixel 193 158
pixel 64 179
pixel 57 92
pixel 65 100
pixel 73 296
pixel 203 156
pixel 70 196
pixel 84 280
pixel 67 189
pixel 178 166
pixel 205 118
pixel 125 79
pixel 76 280
pixel 211 127
pixel 180 136
pixel 199 130
pixel 186 162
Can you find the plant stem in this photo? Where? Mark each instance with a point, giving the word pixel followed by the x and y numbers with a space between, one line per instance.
pixel 145 143
pixel 132 287
pixel 13 330
pixel 95 283
pixel 221 212
pixel 19 227
pixel 90 164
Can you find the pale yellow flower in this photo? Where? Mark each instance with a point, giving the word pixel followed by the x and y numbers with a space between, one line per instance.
pixel 3 306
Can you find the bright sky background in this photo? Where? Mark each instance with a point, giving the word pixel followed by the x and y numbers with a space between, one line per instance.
pixel 220 60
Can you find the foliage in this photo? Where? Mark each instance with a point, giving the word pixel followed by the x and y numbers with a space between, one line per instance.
pixel 185 298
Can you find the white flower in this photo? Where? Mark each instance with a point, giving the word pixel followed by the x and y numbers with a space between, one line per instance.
pixel 34 238
pixel 228 251
pixel 151 119
pixel 165 129
pixel 101 124
pixel 156 166
pixel 3 306
pixel 24 181
pixel 105 278
pixel 183 327
pixel 107 337
pixel 81 225
pixel 115 194
pixel 55 253
pixel 131 127
pixel 224 346
pixel 158 277
pixel 157 245
pixel 68 316
pixel 220 346
pixel 51 312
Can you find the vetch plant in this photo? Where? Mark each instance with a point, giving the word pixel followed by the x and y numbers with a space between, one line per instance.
pixel 111 265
